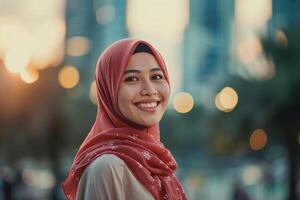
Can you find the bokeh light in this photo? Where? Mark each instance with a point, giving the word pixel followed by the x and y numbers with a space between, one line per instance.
pixel 77 46
pixel 16 59
pixel 42 179
pixel 219 105
pixel 227 99
pixel 183 102
pixel 258 139
pixel 93 93
pixel 251 175
pixel 29 75
pixel 281 39
pixel 68 77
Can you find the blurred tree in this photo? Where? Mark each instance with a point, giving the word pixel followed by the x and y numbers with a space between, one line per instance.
pixel 273 104
pixel 284 49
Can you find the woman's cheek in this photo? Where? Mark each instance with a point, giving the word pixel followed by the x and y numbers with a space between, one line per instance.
pixel 165 91
pixel 130 92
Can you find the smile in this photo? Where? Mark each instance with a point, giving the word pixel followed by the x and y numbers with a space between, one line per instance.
pixel 149 106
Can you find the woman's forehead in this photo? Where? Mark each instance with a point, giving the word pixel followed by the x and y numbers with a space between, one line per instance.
pixel 142 59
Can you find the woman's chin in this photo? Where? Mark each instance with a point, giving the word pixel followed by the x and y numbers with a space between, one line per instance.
pixel 148 122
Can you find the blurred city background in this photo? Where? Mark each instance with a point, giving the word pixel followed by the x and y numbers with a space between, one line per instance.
pixel 233 122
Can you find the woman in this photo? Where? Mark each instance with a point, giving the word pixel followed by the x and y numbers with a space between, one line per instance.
pixel 122 156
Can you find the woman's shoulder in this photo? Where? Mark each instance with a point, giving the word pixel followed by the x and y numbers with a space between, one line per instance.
pixel 106 162
pixel 110 170
pixel 107 169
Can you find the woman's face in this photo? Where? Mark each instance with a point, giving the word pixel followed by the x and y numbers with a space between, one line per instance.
pixel 144 92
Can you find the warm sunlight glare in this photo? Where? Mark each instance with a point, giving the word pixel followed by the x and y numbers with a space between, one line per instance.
pixel 29 75
pixel 32 35
pixel 48 48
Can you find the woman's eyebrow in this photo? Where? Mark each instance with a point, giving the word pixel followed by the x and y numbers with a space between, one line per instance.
pixel 139 71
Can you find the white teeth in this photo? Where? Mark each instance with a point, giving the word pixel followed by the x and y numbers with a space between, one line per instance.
pixel 147 105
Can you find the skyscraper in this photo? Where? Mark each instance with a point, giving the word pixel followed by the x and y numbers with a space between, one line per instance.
pixel 207 45
pixel 99 22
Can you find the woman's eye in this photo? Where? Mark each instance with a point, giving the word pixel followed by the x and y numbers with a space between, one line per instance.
pixel 131 79
pixel 157 77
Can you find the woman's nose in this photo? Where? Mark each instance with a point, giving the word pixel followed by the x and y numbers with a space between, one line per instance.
pixel 148 89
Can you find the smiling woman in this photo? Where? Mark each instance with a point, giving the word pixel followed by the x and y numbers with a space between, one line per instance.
pixel 122 156
pixel 144 91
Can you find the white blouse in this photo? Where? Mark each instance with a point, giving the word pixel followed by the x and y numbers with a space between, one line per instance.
pixel 109 178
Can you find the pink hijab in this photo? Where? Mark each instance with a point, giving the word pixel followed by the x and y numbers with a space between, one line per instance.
pixel 139 147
